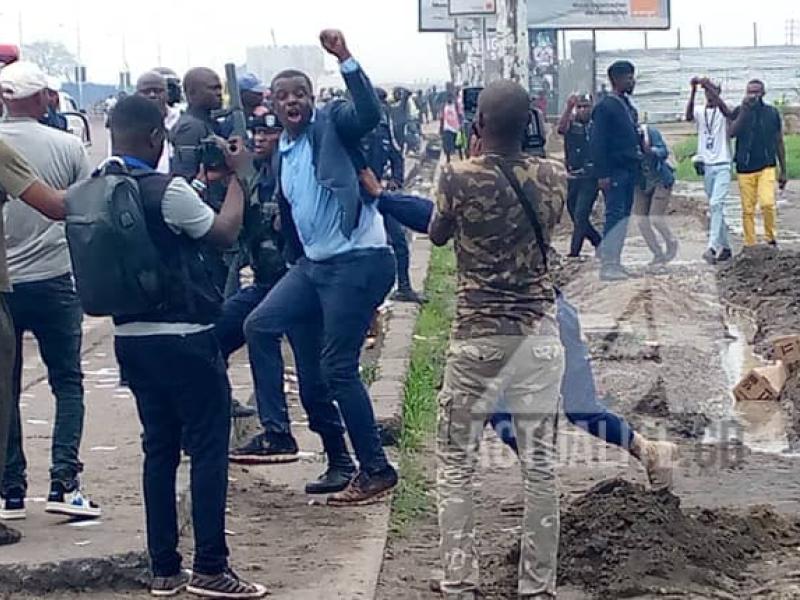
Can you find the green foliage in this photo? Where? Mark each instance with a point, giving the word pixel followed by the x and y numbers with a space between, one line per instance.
pixel 423 381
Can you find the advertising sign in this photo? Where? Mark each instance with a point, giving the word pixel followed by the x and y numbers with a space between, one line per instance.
pixel 461 8
pixel 435 15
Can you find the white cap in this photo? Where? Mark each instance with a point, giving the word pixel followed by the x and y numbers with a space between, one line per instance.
pixel 21 80
pixel 53 83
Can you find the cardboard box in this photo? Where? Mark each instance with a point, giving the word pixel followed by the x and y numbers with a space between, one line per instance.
pixel 762 383
pixel 787 349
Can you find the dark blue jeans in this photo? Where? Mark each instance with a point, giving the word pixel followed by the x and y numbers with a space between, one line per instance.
pixel 182 392
pixel 619 203
pixel 578 391
pixel 51 310
pixel 581 196
pixel 399 244
pixel 327 307
pixel 266 364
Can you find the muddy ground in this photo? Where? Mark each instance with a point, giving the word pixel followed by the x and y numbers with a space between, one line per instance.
pixel 667 347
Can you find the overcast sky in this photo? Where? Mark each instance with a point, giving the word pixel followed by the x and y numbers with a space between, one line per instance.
pixel 382 33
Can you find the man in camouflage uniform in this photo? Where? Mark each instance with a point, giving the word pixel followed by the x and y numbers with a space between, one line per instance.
pixel 504 341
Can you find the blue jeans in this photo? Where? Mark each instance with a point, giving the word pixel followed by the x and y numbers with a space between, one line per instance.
pixel 266 364
pixel 399 244
pixel 182 393
pixel 51 310
pixel 578 391
pixel 718 185
pixel 619 203
pixel 326 307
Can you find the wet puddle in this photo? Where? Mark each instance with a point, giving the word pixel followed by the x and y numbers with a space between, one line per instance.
pixel 761 426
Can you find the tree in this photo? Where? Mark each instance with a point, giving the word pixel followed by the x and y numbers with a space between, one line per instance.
pixel 52 57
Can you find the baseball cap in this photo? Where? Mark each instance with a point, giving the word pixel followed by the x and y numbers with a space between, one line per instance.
pixel 21 80
pixel 250 83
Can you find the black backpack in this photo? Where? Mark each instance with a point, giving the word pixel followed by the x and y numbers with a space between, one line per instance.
pixel 117 267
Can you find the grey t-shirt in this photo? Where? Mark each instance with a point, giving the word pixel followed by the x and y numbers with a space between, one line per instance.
pixel 36 246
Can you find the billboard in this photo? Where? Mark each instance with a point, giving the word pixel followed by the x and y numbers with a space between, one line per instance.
pixel 599 14
pixel 461 8
pixel 434 15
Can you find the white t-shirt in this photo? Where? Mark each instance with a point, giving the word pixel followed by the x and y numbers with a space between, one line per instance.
pixel 184 213
pixel 713 144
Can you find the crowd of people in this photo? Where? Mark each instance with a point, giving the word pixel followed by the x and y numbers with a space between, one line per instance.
pixel 312 201
pixel 608 149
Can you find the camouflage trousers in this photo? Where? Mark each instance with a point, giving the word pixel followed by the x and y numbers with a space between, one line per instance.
pixel 7 351
pixel 527 372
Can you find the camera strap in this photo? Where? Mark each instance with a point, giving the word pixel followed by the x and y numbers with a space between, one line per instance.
pixel 526 203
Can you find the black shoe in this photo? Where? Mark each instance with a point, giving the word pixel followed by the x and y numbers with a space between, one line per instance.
pixel 170 586
pixel 724 255
pixel 224 585
pixel 240 411
pixel 8 535
pixel 266 449
pixel 335 479
pixel 366 489
pixel 613 273
pixel 409 295
pixel 710 256
pixel 773 244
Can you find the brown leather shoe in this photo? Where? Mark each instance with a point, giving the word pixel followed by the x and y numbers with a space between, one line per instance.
pixel 366 489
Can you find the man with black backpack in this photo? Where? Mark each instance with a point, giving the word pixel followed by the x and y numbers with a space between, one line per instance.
pixel 135 238
pixel 505 338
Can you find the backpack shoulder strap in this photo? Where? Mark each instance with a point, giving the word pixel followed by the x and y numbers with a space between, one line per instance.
pixel 527 206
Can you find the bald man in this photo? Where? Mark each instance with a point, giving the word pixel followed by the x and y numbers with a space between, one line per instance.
pixel 153 86
pixel 504 340
pixel 203 89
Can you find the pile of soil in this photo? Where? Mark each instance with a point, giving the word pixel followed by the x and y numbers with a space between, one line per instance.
pixel 765 281
pixel 619 540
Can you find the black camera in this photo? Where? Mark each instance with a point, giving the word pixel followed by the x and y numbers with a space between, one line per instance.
pixel 210 154
pixel 268 121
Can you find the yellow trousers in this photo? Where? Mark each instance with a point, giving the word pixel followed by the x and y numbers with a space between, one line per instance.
pixel 758 189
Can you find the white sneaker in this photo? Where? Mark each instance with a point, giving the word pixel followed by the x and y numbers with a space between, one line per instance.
pixel 71 504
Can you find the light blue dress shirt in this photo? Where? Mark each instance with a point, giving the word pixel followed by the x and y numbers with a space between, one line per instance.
pixel 316 212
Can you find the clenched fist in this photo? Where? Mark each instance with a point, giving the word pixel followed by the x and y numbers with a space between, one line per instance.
pixel 334 43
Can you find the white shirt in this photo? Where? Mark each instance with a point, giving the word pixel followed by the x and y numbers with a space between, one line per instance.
pixel 713 144
pixel 184 213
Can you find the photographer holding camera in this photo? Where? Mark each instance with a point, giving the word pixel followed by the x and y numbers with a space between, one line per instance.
pixel 713 162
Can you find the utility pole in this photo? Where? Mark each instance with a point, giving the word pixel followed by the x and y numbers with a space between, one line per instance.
pixel 80 62
pixel 755 35
pixel 512 38
pixel 646 41
pixel 700 33
pixel 679 38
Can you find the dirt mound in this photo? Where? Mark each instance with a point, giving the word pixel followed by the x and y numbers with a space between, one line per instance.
pixel 765 281
pixel 620 540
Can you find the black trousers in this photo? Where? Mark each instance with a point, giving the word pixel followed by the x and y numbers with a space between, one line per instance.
pixel 581 196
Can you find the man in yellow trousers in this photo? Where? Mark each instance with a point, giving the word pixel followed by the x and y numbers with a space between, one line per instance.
pixel 758 130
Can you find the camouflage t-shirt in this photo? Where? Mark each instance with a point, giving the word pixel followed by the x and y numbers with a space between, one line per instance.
pixel 503 286
pixel 15 177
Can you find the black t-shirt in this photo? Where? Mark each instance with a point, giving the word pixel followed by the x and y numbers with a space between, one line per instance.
pixel 757 140
pixel 576 145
